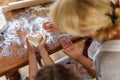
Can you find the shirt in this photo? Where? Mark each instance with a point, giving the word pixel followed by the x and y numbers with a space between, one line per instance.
pixel 106 61
pixel 94 46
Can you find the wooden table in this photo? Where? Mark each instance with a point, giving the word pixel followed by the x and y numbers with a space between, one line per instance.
pixel 15 61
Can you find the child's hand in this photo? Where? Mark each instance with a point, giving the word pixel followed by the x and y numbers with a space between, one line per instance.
pixel 50 27
pixel 30 47
pixel 42 43
pixel 70 49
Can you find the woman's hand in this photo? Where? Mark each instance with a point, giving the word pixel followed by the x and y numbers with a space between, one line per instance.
pixel 50 27
pixel 70 49
pixel 74 52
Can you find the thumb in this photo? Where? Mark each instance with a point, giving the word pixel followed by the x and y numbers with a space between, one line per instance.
pixel 27 41
pixel 44 38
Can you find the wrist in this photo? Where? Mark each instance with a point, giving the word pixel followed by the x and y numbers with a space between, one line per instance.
pixel 85 61
pixel 43 51
pixel 41 47
pixel 80 58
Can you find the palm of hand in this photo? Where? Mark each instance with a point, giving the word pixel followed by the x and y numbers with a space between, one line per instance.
pixel 70 49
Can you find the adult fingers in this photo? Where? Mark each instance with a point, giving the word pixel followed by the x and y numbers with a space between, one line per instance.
pixel 42 43
pixel 70 42
pixel 28 44
pixel 45 25
pixel 50 30
pixel 64 43
pixel 48 25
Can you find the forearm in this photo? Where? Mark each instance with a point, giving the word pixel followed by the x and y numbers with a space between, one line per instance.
pixel 45 56
pixel 32 66
pixel 87 63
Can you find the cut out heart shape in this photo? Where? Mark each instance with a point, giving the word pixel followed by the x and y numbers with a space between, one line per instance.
pixel 34 39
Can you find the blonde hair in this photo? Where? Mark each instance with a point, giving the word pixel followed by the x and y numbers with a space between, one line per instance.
pixel 80 16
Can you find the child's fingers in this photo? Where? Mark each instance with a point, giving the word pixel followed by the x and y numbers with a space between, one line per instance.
pixel 44 38
pixel 29 45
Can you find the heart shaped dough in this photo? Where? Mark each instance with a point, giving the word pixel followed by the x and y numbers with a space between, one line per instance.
pixel 34 39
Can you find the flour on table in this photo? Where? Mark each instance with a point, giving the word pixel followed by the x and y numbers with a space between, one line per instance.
pixel 30 21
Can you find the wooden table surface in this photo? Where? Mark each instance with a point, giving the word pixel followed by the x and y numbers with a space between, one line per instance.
pixel 5 2
pixel 14 60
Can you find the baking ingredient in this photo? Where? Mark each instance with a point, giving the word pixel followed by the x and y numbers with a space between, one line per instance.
pixel 34 39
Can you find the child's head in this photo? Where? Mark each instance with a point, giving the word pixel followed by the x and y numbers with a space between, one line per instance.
pixel 84 17
pixel 55 72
